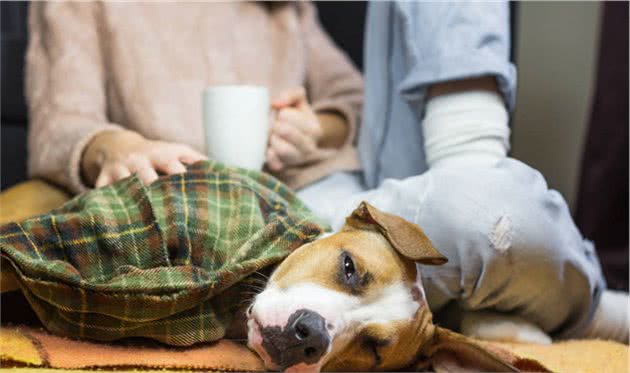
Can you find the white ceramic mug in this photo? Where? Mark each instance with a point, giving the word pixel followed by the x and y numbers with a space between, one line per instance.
pixel 236 121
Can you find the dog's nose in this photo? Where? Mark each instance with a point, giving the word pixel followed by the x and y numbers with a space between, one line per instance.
pixel 303 339
pixel 310 329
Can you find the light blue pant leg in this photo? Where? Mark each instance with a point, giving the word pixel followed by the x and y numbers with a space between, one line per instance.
pixel 511 242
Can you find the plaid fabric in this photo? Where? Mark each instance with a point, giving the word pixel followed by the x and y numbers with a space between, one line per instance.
pixel 130 260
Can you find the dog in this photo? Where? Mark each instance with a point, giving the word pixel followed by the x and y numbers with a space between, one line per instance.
pixel 354 301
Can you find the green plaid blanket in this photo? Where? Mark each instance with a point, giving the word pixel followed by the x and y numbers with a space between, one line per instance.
pixel 166 261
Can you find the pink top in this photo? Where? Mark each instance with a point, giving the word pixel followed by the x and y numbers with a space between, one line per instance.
pixel 93 67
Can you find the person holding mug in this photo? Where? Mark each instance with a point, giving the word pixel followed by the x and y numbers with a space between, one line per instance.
pixel 115 89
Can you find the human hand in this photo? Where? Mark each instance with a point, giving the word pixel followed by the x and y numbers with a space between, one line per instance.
pixel 115 155
pixel 295 132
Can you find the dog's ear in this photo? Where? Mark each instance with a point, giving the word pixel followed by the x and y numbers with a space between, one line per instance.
pixel 407 238
pixel 453 352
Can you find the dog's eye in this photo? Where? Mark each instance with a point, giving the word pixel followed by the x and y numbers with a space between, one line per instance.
pixel 348 267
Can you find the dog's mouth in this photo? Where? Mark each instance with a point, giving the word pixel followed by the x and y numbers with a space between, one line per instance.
pixel 255 340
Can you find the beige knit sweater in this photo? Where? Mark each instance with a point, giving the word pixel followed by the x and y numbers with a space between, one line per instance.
pixel 93 67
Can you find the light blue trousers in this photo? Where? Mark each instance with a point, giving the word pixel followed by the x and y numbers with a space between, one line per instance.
pixel 511 242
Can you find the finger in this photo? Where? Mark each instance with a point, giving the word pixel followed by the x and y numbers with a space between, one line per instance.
pixel 143 168
pixel 286 152
pixel 302 141
pixel 290 97
pixel 297 118
pixel 188 155
pixel 147 175
pixel 274 163
pixel 171 167
pixel 103 179
pixel 119 172
pixel 110 174
pixel 138 161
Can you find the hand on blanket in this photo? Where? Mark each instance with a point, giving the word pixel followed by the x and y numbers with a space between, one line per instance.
pixel 114 155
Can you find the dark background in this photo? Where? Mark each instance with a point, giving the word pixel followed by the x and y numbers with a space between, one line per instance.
pixel 602 202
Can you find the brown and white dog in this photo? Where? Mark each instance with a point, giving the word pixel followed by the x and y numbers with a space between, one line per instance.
pixel 353 301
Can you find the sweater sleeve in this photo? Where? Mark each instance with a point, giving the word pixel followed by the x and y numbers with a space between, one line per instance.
pixel 332 82
pixel 65 89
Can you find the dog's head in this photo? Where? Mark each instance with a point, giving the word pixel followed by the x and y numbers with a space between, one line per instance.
pixel 354 294
pixel 350 301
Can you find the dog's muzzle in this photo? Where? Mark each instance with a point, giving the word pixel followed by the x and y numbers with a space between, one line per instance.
pixel 304 339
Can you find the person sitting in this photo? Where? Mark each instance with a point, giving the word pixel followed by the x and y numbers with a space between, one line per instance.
pixel 115 89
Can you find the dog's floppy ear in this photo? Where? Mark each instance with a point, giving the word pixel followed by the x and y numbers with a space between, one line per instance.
pixel 407 238
pixel 453 352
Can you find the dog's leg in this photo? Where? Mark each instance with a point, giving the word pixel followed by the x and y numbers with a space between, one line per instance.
pixel 495 326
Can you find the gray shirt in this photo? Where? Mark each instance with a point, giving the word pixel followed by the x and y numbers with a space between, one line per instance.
pixel 408 47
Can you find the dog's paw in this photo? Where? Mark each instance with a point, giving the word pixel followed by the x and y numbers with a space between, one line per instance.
pixel 495 326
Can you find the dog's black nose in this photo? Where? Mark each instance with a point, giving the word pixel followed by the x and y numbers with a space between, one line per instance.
pixel 303 339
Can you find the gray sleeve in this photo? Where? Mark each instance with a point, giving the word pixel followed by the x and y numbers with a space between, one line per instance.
pixel 445 41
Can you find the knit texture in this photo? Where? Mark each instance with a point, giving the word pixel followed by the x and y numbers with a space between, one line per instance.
pixel 170 261
pixel 142 66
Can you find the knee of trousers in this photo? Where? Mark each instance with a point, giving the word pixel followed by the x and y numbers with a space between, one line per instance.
pixel 512 246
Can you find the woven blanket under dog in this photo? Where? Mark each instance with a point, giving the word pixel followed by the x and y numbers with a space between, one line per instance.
pixel 166 261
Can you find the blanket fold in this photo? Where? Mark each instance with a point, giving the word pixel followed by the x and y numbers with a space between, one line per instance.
pixel 130 260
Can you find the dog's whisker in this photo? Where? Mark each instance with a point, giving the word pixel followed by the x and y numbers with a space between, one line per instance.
pixel 250 293
pixel 240 304
pixel 261 274
pixel 335 359
pixel 254 288
pixel 257 282
pixel 249 286
pixel 260 287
